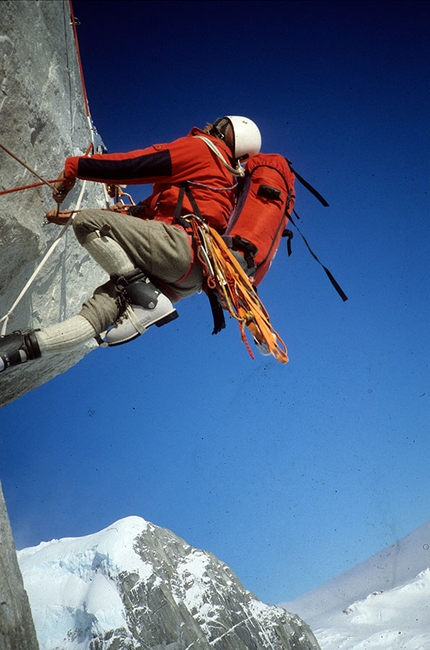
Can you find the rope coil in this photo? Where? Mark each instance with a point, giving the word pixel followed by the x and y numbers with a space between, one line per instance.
pixel 238 296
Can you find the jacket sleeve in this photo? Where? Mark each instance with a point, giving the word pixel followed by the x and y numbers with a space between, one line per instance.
pixel 184 159
pixel 140 166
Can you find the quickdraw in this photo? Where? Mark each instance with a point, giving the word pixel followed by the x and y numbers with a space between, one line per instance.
pixel 238 297
pixel 116 193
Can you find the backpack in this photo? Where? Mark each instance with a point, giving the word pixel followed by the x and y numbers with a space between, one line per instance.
pixel 264 207
pixel 259 219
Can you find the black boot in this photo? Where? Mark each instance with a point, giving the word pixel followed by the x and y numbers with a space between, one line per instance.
pixel 147 306
pixel 137 289
pixel 17 348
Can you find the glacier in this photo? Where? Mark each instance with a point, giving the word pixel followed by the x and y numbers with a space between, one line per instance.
pixel 135 585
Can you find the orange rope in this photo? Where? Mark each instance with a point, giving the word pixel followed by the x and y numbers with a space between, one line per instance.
pixel 240 298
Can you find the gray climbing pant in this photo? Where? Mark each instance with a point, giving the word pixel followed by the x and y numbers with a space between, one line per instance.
pixel 164 252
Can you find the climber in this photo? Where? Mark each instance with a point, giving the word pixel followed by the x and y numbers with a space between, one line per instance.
pixel 147 249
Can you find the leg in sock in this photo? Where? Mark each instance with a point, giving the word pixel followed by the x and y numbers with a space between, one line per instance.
pixel 66 335
pixel 109 254
pixel 17 348
pixel 146 304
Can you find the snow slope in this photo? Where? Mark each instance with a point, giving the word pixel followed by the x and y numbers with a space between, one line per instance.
pixel 382 603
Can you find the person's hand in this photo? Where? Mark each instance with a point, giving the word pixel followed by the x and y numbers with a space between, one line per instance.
pixel 119 207
pixel 59 217
pixel 62 188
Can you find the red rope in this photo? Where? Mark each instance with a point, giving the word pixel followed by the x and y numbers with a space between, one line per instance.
pixel 81 70
pixel 27 187
pixel 21 162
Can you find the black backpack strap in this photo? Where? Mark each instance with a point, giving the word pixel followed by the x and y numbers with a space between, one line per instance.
pixel 288 233
pixel 184 189
pixel 308 186
pixel 177 214
pixel 322 200
pixel 217 311
pixel 330 276
pixel 193 202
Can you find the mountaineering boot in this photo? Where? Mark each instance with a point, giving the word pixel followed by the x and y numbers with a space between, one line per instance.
pixel 146 306
pixel 17 348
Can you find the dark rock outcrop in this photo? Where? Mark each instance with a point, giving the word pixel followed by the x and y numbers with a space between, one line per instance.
pixel 16 624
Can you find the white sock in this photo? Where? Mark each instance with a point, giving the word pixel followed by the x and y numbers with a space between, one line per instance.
pixel 66 335
pixel 109 254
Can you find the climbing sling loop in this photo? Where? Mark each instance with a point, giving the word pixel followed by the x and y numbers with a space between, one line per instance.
pixel 236 171
pixel 225 277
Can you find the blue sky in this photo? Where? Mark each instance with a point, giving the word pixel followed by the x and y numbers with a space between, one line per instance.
pixel 290 474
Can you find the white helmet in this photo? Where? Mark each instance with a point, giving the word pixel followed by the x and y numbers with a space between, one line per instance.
pixel 246 134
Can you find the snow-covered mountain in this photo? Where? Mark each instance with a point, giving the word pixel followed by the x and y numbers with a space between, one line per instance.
pixel 382 603
pixel 138 586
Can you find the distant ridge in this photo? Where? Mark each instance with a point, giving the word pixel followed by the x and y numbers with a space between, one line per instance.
pixel 383 602
pixel 390 568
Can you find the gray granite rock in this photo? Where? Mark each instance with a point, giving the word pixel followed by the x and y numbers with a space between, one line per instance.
pixel 43 120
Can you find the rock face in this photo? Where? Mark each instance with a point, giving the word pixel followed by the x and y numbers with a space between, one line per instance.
pixel 137 586
pixel 16 624
pixel 43 118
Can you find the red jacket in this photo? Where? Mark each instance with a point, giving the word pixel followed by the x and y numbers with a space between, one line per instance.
pixel 166 166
